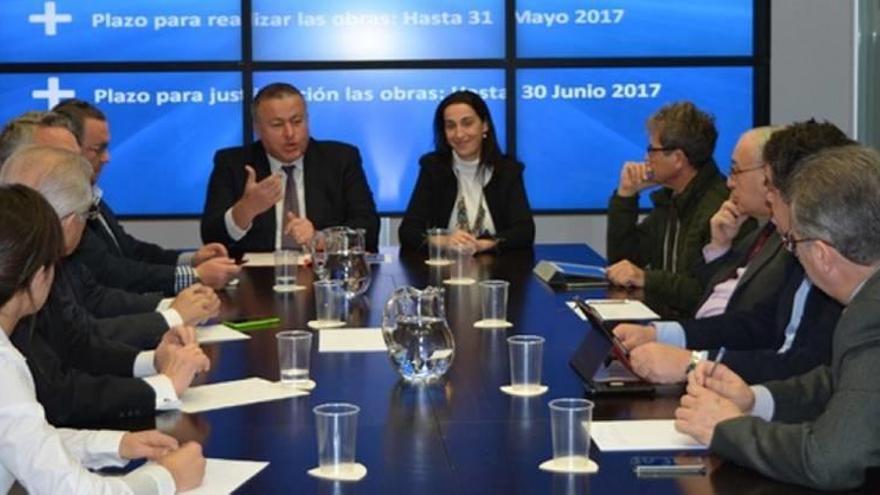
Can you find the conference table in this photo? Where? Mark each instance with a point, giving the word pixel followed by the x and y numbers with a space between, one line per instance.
pixel 458 436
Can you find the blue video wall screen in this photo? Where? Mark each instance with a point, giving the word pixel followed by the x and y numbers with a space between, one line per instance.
pixel 342 30
pixel 164 127
pixel 634 28
pixel 114 31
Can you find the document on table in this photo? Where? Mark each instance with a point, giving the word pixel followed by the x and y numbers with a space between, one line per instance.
pixel 632 435
pixel 210 334
pixel 225 476
pixel 351 340
pixel 617 309
pixel 268 259
pixel 235 393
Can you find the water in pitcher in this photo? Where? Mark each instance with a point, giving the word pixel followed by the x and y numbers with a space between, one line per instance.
pixel 352 269
pixel 421 348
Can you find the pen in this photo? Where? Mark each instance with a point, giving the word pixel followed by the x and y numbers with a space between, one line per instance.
pixel 607 301
pixel 718 358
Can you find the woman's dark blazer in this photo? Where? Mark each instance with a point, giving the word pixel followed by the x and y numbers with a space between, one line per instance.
pixel 435 193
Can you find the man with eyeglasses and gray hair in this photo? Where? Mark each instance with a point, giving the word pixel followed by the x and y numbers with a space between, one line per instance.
pixel 818 429
pixel 84 373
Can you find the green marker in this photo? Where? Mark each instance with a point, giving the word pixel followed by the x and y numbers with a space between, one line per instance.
pixel 244 325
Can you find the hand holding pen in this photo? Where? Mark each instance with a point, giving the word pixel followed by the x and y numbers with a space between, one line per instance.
pixel 721 380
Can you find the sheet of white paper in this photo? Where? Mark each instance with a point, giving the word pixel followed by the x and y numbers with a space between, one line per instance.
pixel 268 259
pixel 210 334
pixel 351 340
pixel 235 393
pixel 617 309
pixel 225 476
pixel 164 303
pixel 652 434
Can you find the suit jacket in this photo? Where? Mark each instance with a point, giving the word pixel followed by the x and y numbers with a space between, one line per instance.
pixel 825 433
pixel 102 301
pixel 436 190
pixel 764 275
pixel 142 330
pixel 128 263
pixel 81 378
pixel 336 193
pixel 753 336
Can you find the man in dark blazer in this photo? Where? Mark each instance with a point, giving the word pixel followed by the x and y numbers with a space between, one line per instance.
pixel 63 344
pixel 279 191
pixel 116 258
pixel 818 429
pixel 63 177
pixel 83 379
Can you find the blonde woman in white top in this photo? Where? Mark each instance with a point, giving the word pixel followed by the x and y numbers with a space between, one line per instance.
pixel 43 459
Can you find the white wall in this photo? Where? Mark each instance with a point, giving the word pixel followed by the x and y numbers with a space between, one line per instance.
pixel 812 53
pixel 811 74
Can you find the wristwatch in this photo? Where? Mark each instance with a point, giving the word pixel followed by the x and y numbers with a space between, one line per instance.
pixel 696 357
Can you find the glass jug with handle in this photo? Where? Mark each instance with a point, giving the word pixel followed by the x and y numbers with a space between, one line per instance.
pixel 419 341
pixel 346 259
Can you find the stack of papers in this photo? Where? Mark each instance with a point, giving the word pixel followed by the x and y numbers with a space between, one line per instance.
pixel 617 310
pixel 652 434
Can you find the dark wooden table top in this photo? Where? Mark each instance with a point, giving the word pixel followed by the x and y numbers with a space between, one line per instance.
pixel 459 436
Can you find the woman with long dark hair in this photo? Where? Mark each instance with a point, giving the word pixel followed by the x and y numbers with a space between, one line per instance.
pixel 467 184
pixel 45 460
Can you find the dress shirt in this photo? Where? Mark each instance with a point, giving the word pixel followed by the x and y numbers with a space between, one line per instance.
pixel 144 368
pixel 471 186
pixel 46 460
pixel 716 303
pixel 764 404
pixel 672 333
pixel 797 311
pixel 236 232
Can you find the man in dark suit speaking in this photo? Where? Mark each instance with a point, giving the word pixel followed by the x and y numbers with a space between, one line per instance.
pixel 279 191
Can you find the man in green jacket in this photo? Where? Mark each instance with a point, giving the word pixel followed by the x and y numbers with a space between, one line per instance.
pixel 658 253
pixel 819 429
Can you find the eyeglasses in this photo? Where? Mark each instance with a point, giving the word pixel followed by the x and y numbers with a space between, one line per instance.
pixel 653 149
pixel 90 214
pixel 790 242
pixel 734 170
pixel 98 149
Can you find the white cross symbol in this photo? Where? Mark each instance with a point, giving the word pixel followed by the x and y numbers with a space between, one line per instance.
pixel 53 93
pixel 50 18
